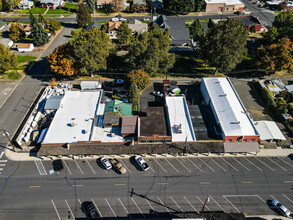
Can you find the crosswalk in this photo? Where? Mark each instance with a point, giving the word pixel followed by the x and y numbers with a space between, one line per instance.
pixel 2 162
pixel 40 167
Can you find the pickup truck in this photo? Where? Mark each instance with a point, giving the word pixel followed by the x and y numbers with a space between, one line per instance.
pixel 118 166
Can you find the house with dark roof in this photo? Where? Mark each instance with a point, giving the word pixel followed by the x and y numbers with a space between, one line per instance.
pixel 129 125
pixel 179 34
pixel 92 25
pixel 157 4
pixel 139 2
pixel 249 21
pixel 153 127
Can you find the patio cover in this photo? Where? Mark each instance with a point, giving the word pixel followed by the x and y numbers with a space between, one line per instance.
pixel 268 130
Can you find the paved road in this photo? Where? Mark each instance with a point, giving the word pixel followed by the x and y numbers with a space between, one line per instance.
pixel 28 191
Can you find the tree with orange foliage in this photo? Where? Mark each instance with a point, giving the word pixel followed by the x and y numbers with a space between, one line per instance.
pixel 61 61
pixel 140 78
pixel 278 56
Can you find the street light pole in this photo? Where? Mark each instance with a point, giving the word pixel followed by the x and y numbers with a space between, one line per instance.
pixel 204 205
pixel 5 133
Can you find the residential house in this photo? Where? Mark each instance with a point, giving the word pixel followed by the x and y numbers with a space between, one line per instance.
pixel 179 34
pixel 53 4
pixel 125 109
pixel 249 21
pixel 113 29
pixel 219 6
pixel 137 26
pixel 157 4
pixel 23 47
pixel 275 4
pixel 100 3
pixel 93 24
pixel 26 4
pixel 27 30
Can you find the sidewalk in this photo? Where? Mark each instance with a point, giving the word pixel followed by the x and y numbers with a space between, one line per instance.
pixel 11 155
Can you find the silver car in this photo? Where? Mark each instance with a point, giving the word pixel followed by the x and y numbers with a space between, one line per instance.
pixel 281 208
pixel 106 163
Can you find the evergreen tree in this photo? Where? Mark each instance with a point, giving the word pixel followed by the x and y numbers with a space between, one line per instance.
pixel 179 6
pixel 211 23
pixel 199 4
pixel 90 5
pixel 223 46
pixel 196 28
pixel 6 5
pixel 134 94
pixel 42 19
pixel 83 16
pixel 124 34
pixel 33 19
pixel 40 36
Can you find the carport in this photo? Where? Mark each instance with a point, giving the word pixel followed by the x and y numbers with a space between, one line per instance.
pixel 269 131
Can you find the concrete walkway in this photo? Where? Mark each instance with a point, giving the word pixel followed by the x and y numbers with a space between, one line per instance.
pixel 11 155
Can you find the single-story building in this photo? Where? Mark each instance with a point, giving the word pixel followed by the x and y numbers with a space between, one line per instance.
pixel 26 4
pixel 125 109
pixel 249 21
pixel 113 29
pixel 269 131
pixel 6 42
pixel 139 2
pixel 111 119
pixel 24 47
pixel 53 4
pixel 137 26
pixel 219 6
pixel 129 125
pixel 90 85
pixel 234 123
pixel 153 127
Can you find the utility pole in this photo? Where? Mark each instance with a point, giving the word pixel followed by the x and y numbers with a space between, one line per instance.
pixel 204 205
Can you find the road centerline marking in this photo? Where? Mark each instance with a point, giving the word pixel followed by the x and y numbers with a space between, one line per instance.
pixel 34 186
pixel 246 182
pixel 162 183
pixel 288 181
pixel 78 185
pixel 204 182
pixel 120 184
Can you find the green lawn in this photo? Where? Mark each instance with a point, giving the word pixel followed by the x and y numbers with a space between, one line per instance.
pixel 71 6
pixel 58 12
pixel 24 59
pixel 34 11
pixel 50 12
pixel 204 20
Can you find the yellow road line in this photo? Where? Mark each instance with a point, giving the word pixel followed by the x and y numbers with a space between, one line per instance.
pixel 204 182
pixel 77 185
pixel 162 183
pixel 247 182
pixel 290 181
pixel 120 184
pixel 34 186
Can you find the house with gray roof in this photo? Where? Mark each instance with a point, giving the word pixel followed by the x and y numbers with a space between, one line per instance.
pixel 137 26
pixel 92 25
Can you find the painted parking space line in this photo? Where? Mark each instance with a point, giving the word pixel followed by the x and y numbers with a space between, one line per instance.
pixel 206 164
pixel 252 164
pixel 125 166
pixel 78 167
pixel 195 165
pixel 203 203
pixel 161 166
pixel 90 166
pixel 230 164
pixel 124 207
pixel 285 162
pixel 287 198
pixel 137 207
pixel 190 204
pixel 79 201
pixel 273 197
pixel 231 204
pixel 2 165
pixel 183 165
pixel 217 204
pixel 264 164
pixel 111 208
pixel 241 164
pixel 40 167
pixel 67 167
pixel 172 165
pixel 218 164
pixel 276 164
pixel 55 209
pixel 152 208
pixel 163 204
pixel 176 204
pixel 69 209
pixel 97 208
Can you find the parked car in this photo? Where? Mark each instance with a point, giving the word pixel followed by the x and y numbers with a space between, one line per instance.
pixel 157 93
pixel 89 210
pixel 57 165
pixel 280 208
pixel 115 19
pixel 118 166
pixel 141 163
pixel 105 163
pixel 145 19
pixel 122 19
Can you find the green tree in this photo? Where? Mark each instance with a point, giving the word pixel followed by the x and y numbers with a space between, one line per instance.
pixel 196 28
pixel 124 34
pixel 32 18
pixel 7 59
pixel 6 5
pixel 271 36
pixel 211 23
pixel 53 25
pixel 179 6
pixel 83 16
pixel 42 19
pixel 199 4
pixel 90 5
pixel 277 56
pixel 140 78
pixel 107 8
pixel 134 94
pixel 39 35
pixel 135 8
pixel 252 29
pixel 224 45
pixel 149 51
pixel 16 32
pixel 91 50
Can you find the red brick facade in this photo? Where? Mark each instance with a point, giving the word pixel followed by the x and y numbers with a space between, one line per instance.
pixel 241 139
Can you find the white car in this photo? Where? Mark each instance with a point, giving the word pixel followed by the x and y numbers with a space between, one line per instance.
pixel 106 163
pixel 141 163
pixel 122 19
pixel 115 19
pixel 145 19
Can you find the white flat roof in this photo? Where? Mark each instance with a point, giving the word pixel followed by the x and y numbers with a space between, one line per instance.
pixel 178 113
pixel 269 130
pixel 80 106
pixel 227 2
pixel 229 108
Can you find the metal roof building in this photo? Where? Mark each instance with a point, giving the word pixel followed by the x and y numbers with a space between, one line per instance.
pixel 234 122
pixel 269 131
